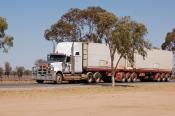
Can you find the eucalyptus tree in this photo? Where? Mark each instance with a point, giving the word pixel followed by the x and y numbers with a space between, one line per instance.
pixel 5 41
pixel 7 69
pixel 20 71
pixel 123 37
pixel 169 43
pixel 76 25
pixel 59 32
pixel 66 28
pixel 1 72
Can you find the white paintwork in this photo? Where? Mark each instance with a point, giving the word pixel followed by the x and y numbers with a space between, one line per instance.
pixel 57 66
pixel 155 59
pixel 65 48
pixel 98 56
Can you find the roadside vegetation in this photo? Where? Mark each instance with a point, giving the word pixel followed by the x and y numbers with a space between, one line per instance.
pixel 18 73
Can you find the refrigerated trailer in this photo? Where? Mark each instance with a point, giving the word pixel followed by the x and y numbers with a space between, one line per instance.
pixel 91 62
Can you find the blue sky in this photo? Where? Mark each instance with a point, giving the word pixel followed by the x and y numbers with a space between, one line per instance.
pixel 27 20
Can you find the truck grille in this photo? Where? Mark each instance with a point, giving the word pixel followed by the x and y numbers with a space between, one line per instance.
pixel 42 70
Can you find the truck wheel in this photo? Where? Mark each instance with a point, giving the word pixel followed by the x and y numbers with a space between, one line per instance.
pixel 59 78
pixel 167 77
pixel 163 79
pixel 158 79
pixel 123 80
pixel 97 77
pixel 133 77
pixel 89 77
pixel 128 77
pixel 129 80
pixel 134 80
pixel 40 81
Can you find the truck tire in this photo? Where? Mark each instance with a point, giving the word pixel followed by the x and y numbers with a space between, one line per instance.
pixel 129 80
pixel 123 80
pixel 97 76
pixel 39 81
pixel 158 79
pixel 59 78
pixel 133 77
pixel 163 79
pixel 89 77
pixel 121 77
pixel 167 77
pixel 128 77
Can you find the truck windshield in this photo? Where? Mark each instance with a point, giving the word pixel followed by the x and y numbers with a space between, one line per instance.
pixel 57 58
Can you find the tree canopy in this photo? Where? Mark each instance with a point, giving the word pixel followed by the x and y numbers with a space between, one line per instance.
pixel 169 43
pixel 75 25
pixel 5 41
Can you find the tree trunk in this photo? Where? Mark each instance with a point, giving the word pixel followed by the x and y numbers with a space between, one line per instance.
pixel 114 69
pixel 113 78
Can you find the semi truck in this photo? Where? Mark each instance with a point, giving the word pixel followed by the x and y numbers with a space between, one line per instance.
pixel 91 62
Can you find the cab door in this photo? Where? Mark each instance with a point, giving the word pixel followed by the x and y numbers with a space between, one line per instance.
pixel 78 62
pixel 67 65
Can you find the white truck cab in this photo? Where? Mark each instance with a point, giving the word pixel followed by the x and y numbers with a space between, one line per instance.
pixel 60 62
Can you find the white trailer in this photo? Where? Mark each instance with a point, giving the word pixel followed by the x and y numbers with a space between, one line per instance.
pixel 91 62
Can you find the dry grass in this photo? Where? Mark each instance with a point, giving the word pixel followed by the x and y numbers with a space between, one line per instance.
pixel 16 78
pixel 134 100
pixel 56 92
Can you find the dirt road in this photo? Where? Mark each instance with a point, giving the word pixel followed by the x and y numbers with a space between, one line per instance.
pixel 138 100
